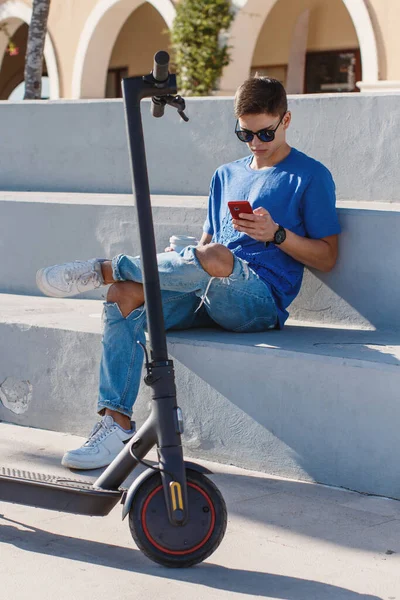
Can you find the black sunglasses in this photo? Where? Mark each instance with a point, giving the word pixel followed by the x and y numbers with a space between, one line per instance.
pixel 264 135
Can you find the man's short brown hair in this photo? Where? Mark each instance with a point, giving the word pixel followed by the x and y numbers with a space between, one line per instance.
pixel 260 95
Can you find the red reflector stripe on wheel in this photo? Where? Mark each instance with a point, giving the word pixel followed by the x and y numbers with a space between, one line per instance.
pixel 178 552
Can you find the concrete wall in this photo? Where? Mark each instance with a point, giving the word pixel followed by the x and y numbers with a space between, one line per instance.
pixel 81 146
pixel 363 290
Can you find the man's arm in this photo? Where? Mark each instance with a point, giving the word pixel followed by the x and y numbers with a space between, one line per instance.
pixel 320 254
pixel 205 239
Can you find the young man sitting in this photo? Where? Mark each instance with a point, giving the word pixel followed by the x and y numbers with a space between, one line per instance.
pixel 242 276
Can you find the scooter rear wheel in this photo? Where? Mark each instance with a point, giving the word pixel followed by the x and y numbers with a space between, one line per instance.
pixel 174 546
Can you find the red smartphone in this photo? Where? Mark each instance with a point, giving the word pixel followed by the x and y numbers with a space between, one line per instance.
pixel 239 206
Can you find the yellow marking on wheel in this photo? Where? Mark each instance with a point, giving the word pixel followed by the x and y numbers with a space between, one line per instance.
pixel 176 495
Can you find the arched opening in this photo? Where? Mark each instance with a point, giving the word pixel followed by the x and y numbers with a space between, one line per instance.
pixel 143 34
pixel 319 36
pixel 17 15
pixel 335 37
pixel 119 38
pixel 12 68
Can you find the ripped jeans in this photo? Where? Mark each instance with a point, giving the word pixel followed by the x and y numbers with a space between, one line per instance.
pixel 191 298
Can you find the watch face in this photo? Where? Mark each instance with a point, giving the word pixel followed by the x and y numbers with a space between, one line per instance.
pixel 280 236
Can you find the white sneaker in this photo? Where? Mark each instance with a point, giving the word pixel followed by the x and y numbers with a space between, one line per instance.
pixel 70 279
pixel 105 442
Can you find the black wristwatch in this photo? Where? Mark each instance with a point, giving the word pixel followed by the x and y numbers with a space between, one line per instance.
pixel 280 235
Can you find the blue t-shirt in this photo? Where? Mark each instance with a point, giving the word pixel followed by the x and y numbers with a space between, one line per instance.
pixel 298 192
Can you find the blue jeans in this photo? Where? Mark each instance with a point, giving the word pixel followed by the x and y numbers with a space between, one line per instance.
pixel 191 298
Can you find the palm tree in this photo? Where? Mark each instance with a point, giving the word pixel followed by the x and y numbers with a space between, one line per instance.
pixel 35 48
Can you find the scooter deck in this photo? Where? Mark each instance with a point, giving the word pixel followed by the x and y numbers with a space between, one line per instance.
pixel 56 493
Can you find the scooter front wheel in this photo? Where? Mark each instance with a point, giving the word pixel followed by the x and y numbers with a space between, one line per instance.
pixel 178 546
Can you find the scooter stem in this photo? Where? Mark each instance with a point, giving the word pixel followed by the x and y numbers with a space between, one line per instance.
pixel 134 90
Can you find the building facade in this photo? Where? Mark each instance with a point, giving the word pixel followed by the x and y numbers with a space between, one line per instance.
pixel 312 46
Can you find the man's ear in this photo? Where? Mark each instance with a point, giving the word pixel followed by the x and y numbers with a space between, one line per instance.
pixel 287 119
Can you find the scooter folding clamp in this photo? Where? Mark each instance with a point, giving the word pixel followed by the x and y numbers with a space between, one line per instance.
pixel 175 101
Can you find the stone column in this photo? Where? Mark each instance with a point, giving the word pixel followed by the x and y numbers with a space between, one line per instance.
pixel 297 55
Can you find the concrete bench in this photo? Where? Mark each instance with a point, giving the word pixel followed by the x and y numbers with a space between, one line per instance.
pixel 362 291
pixel 314 403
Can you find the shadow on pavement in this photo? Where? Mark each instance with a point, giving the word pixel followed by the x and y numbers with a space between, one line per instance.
pixel 210 575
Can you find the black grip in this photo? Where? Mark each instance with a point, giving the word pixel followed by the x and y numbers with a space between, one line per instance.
pixel 157 107
pixel 160 67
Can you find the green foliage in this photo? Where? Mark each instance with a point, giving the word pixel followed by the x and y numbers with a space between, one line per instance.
pixel 11 49
pixel 199 55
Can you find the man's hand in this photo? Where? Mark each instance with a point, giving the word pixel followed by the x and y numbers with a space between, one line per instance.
pixel 260 225
pixel 320 254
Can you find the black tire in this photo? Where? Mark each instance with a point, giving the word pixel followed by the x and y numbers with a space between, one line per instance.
pixel 173 546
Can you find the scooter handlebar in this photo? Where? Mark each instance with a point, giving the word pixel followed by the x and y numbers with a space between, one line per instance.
pixel 160 66
pixel 160 74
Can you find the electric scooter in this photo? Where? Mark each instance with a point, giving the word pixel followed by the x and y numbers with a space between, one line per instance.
pixel 177 516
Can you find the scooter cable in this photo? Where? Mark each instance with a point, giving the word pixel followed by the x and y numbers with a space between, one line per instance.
pixel 149 466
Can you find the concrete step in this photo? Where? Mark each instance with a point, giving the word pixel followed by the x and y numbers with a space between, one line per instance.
pixel 311 403
pixel 55 227
pixel 38 229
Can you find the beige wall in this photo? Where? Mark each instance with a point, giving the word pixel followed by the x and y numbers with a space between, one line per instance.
pixel 385 15
pixel 142 35
pixel 330 28
pixel 66 21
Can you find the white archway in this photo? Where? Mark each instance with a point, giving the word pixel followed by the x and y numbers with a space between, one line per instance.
pixel 366 36
pixel 97 40
pixel 249 20
pixel 15 13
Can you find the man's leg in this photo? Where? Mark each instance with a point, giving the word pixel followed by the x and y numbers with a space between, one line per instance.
pixel 186 276
pixel 190 270
pixel 122 354
pixel 121 367
pixel 123 328
pixel 241 302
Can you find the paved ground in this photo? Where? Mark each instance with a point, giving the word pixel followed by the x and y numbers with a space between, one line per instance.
pixel 286 540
